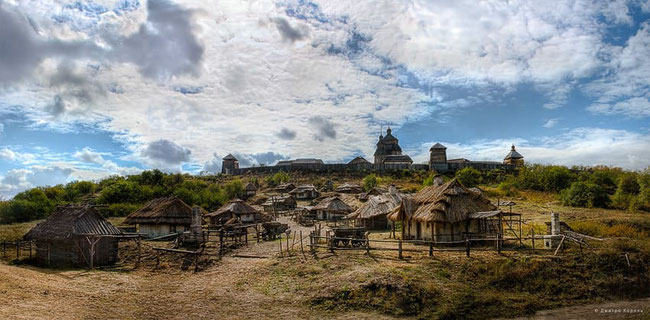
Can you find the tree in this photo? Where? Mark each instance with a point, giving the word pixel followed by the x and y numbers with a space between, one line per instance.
pixel 469 177
pixel 628 184
pixel 369 182
pixel 582 194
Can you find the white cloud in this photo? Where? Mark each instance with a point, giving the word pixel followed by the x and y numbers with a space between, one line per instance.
pixel 550 123
pixel 11 155
pixel 88 155
pixel 634 107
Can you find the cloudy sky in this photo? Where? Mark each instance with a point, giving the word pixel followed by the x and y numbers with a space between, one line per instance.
pixel 94 88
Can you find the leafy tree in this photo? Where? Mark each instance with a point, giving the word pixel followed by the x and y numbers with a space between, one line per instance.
pixel 120 191
pixel 369 182
pixel 278 178
pixel 628 184
pixel 556 178
pixel 582 194
pixel 234 189
pixel 469 177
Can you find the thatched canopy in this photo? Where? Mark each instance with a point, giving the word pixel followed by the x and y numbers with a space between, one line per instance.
pixel 69 220
pixel 303 188
pixel 236 206
pixel 349 188
pixel 251 187
pixel 333 205
pixel 377 206
pixel 169 210
pixel 450 202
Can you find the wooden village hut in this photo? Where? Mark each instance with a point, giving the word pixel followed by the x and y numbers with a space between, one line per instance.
pixel 372 192
pixel 373 215
pixel 327 186
pixel 235 211
pixel 330 209
pixel 279 203
pixel 251 190
pixel 305 192
pixel 162 216
pixel 449 212
pixel 75 235
pixel 285 188
pixel 349 188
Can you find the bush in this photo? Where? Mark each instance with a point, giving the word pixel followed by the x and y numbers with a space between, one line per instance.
pixel 582 194
pixel 369 182
pixel 121 209
pixel 628 184
pixel 508 188
pixel 469 177
pixel 234 189
pixel 278 178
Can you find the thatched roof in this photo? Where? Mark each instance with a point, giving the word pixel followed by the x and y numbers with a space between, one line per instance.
pixel 377 206
pixel 450 202
pixel 251 187
pixel 303 188
pixel 333 204
pixel 283 200
pixel 169 210
pixel 69 220
pixel 235 206
pixel 349 187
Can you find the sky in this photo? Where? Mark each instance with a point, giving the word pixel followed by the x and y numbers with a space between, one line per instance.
pixel 90 89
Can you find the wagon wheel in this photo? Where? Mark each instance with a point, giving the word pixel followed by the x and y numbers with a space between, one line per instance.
pixel 357 243
pixel 346 242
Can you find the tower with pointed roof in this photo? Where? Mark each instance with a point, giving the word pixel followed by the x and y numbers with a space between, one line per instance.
pixel 229 164
pixel 514 158
pixel 437 155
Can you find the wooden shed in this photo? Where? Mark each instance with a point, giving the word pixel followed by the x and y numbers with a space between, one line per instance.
pixel 162 216
pixel 279 203
pixel 349 188
pixel 448 212
pixel 235 211
pixel 330 209
pixel 251 189
pixel 305 192
pixel 373 214
pixel 75 235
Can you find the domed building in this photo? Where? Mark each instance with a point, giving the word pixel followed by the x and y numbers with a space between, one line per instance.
pixel 389 153
pixel 514 158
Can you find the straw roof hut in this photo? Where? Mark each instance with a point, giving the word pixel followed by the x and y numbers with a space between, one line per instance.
pixel 251 189
pixel 73 235
pixel 331 208
pixel 162 216
pixel 444 210
pixel 373 214
pixel 349 188
pixel 305 191
pixel 285 188
pixel 235 210
pixel 372 192
pixel 279 203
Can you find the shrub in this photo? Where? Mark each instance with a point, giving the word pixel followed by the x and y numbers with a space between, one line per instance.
pixel 628 184
pixel 234 189
pixel 469 177
pixel 278 178
pixel 582 194
pixel 369 182
pixel 508 188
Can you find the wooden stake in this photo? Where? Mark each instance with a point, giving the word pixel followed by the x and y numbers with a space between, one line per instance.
pixel 280 236
pixel 399 248
pixel 431 248
pixel 628 260
pixel 302 249
pixel 532 231
pixel 467 246
pixel 559 245
pixel 137 263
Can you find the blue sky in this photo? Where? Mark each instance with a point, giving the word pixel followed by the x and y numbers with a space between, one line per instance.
pixel 94 88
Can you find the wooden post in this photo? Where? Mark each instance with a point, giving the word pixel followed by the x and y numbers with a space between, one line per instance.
pixel 499 243
pixel 367 244
pixel 288 252
pixel 431 248
pixel 220 243
pixel 559 245
pixel 521 243
pixel 302 249
pixel 280 236
pixel 467 246
pixel 399 249
pixel 196 262
pixel 137 263
pixel 532 231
